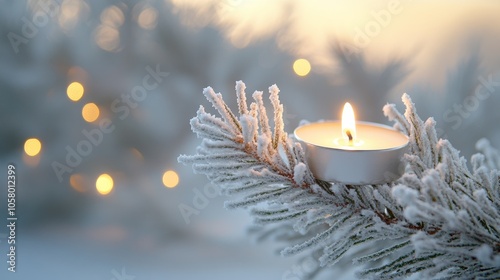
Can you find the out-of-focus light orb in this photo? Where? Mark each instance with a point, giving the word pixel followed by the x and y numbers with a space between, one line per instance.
pixel 77 182
pixel 75 91
pixel 170 179
pixel 71 12
pixel 90 112
pixel 32 147
pixel 112 16
pixel 104 184
pixel 107 37
pixel 148 18
pixel 302 67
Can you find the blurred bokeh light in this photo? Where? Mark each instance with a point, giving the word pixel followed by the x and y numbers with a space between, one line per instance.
pixel 148 18
pixel 32 147
pixel 90 112
pixel 302 67
pixel 104 184
pixel 75 91
pixel 170 179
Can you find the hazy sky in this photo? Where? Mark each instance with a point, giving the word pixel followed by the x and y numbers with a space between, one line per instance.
pixel 427 31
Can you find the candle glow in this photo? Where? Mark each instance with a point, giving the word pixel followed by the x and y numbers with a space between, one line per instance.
pixel 348 123
pixel 348 136
pixel 351 152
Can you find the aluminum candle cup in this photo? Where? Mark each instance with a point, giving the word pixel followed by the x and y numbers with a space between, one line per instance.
pixel 372 157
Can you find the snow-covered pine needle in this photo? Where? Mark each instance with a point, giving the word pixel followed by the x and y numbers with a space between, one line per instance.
pixel 439 220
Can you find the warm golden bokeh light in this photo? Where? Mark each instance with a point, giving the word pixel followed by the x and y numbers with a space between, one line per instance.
pixel 112 16
pixel 302 67
pixel 104 184
pixel 170 179
pixel 107 34
pixel 77 182
pixel 32 147
pixel 75 91
pixel 90 112
pixel 71 12
pixel 148 18
pixel 107 37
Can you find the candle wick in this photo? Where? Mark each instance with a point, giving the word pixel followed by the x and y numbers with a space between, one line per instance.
pixel 349 135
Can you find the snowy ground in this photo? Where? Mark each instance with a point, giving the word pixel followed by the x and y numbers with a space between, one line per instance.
pixel 110 253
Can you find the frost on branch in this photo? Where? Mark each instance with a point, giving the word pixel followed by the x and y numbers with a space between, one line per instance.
pixel 440 220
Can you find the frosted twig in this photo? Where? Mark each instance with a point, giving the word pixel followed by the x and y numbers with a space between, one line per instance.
pixel 439 220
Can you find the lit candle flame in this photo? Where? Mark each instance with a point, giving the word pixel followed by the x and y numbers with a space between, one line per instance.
pixel 348 123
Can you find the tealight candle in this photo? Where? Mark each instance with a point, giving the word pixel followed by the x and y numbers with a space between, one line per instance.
pixel 351 152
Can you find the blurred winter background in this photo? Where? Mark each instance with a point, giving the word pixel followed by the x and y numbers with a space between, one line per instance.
pixel 97 97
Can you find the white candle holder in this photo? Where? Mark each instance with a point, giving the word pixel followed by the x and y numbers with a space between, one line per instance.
pixel 376 161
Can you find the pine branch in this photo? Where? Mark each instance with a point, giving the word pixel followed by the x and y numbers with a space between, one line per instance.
pixel 439 220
